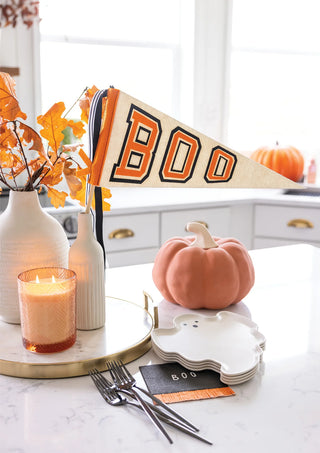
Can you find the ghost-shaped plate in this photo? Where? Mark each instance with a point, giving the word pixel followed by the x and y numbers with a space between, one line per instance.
pixel 227 343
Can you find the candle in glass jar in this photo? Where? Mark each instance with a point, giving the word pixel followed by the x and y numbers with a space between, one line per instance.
pixel 47 309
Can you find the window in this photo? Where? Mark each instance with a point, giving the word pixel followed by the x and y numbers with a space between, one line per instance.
pixel 245 72
pixel 274 88
pixel 138 46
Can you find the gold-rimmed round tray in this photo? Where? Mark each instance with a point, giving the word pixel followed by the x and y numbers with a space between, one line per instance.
pixel 126 336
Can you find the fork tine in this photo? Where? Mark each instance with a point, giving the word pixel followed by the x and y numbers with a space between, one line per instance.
pixel 115 372
pixel 112 372
pixel 109 394
pixel 98 385
pixel 102 379
pixel 120 380
pixel 121 371
pixel 156 400
pixel 125 369
pixel 106 391
pixel 106 382
pixel 97 377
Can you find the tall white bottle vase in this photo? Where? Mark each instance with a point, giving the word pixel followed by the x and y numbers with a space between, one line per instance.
pixel 29 238
pixel 87 261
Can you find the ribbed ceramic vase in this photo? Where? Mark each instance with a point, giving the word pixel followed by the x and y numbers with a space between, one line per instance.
pixel 87 261
pixel 29 238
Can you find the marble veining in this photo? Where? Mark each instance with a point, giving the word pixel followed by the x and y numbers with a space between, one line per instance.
pixel 278 410
pixel 89 344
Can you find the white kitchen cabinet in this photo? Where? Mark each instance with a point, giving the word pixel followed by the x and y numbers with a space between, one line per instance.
pixel 136 237
pixel 217 220
pixel 241 223
pixel 130 239
pixel 130 257
pixel 130 232
pixel 259 219
pixel 283 225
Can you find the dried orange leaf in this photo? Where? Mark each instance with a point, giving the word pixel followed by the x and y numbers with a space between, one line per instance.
pixel 85 103
pixel 68 169
pixel 35 164
pixel 80 194
pixel 54 175
pixel 9 105
pixel 30 136
pixel 6 159
pixel 78 128
pixel 17 168
pixel 53 125
pixel 74 184
pixel 8 139
pixel 105 194
pixel 57 197
pixel 73 148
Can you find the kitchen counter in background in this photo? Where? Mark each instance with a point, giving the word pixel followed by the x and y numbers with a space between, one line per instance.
pixel 125 201
pixel 278 410
pixel 140 219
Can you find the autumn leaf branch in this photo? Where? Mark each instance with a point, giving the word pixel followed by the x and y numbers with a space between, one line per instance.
pixel 21 151
pixel 50 167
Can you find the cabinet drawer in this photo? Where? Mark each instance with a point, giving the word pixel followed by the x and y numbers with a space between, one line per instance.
pixel 131 257
pixel 128 232
pixel 174 223
pixel 287 222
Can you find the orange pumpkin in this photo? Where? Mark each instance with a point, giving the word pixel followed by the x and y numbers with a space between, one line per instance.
pixel 286 160
pixel 203 272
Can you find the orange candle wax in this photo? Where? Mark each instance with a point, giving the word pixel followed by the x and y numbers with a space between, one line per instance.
pixel 47 309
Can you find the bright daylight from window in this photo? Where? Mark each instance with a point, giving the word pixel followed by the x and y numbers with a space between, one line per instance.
pixel 140 57
pixel 274 75
pixel 270 85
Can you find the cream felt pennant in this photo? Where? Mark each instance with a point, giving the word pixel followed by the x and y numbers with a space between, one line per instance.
pixel 141 146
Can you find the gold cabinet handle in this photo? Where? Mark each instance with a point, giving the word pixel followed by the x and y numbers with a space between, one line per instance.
pixel 202 223
pixel 121 233
pixel 300 223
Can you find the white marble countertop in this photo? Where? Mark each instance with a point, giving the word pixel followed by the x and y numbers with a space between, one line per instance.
pixel 135 199
pixel 276 411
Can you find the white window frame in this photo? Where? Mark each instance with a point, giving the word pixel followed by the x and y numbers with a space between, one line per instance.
pixel 212 55
pixel 205 66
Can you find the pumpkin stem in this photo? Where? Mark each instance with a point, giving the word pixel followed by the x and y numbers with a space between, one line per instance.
pixel 203 237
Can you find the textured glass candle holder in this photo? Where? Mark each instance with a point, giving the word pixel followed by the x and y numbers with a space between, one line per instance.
pixel 47 309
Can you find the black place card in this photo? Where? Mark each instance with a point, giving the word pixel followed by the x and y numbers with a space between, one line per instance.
pixel 171 382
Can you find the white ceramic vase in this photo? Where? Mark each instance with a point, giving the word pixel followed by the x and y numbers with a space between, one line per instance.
pixel 87 261
pixel 29 238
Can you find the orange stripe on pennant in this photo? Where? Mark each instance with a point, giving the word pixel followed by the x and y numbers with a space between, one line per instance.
pixel 85 159
pixel 104 137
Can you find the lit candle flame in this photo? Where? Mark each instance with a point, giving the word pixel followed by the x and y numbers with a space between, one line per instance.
pixel 52 279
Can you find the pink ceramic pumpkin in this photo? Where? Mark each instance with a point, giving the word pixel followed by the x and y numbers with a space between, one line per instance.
pixel 203 272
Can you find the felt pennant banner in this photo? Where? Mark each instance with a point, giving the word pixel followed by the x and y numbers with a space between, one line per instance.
pixel 141 146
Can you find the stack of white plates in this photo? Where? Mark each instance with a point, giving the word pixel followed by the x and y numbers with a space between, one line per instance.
pixel 227 343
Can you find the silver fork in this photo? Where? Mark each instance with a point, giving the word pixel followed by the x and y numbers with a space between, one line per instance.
pixel 113 397
pixel 108 393
pixel 122 384
pixel 117 366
